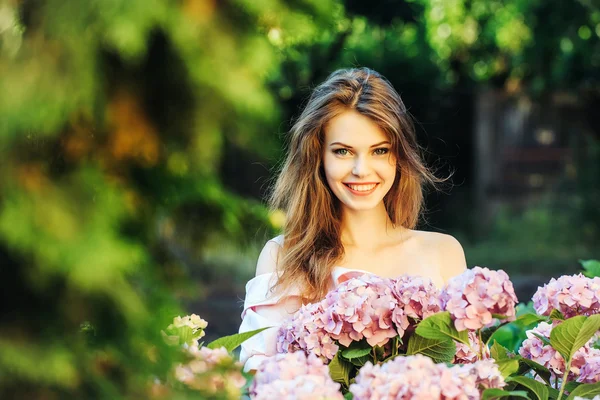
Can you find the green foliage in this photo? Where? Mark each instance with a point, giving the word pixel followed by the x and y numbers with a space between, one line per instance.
pixel 591 267
pixel 439 350
pixel 511 335
pixel 572 334
pixel 589 390
pixel 441 326
pixel 508 365
pixel 115 120
pixel 339 370
pixel 357 349
pixel 490 394
pixel 538 389
pixel 527 364
pixel 232 342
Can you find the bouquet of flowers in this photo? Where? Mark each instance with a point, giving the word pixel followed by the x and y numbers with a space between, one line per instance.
pixel 372 319
pixel 400 337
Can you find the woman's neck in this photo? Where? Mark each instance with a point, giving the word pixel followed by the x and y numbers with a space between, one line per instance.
pixel 368 229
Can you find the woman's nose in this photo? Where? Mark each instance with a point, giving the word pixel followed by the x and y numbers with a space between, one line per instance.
pixel 361 167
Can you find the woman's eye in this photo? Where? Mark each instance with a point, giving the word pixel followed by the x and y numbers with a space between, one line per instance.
pixel 381 151
pixel 341 152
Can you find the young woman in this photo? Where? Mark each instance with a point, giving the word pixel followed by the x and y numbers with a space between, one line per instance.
pixel 351 188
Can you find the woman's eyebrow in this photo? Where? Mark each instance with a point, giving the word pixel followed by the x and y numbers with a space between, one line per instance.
pixel 345 145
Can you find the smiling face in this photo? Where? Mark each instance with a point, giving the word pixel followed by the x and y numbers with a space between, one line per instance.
pixel 359 164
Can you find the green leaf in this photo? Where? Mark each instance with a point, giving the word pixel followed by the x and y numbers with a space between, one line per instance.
pixel 592 267
pixel 499 352
pixel 506 364
pixel 490 394
pixel 552 393
pixel 571 335
pixel 537 388
pixel 570 386
pixel 487 333
pixel 544 339
pixel 439 350
pixel 529 319
pixel 348 396
pixel 339 369
pixel 231 342
pixel 440 326
pixel 542 371
pixel 356 353
pixel 499 316
pixel 357 349
pixel 557 315
pixel 360 361
pixel 508 335
pixel 587 390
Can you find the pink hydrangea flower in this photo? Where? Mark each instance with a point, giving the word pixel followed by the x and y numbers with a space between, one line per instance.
pixel 306 331
pixel 487 374
pixel 589 372
pixel 468 354
pixel 211 371
pixel 473 296
pixel 535 349
pixel 571 295
pixel 414 377
pixel 417 298
pixel 294 376
pixel 358 308
pixel 361 308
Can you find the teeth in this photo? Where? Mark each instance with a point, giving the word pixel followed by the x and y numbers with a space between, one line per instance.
pixel 362 188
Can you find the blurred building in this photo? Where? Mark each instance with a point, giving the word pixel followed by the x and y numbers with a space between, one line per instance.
pixel 523 147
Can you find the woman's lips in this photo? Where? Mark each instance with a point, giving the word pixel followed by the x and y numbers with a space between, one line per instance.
pixel 359 189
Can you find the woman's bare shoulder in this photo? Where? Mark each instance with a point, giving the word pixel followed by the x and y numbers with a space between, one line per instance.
pixel 447 250
pixel 269 255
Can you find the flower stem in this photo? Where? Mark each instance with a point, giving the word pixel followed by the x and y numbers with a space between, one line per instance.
pixel 481 344
pixel 564 381
pixel 374 356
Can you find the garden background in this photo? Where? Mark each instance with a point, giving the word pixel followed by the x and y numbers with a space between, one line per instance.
pixel 138 138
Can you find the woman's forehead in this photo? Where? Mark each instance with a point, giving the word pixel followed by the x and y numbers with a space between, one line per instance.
pixel 354 129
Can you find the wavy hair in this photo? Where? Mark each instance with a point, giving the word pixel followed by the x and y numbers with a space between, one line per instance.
pixel 312 243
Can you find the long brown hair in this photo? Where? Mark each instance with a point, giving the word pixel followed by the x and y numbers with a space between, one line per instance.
pixel 312 243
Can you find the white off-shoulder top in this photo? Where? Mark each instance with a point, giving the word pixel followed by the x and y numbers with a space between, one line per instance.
pixel 262 309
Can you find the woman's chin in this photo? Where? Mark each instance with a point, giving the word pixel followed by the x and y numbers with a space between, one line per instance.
pixel 358 206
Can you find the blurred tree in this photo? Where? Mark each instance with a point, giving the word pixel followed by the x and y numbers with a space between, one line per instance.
pixel 113 120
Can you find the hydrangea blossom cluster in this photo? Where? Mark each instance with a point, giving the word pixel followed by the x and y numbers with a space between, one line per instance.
pixel 211 371
pixel 306 331
pixel 368 306
pixel 294 376
pixel 418 377
pixel 360 308
pixel 193 321
pixel 186 331
pixel 417 298
pixel 487 375
pixel 472 298
pixel 585 366
pixel 571 295
pixel 590 371
pixel 468 354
